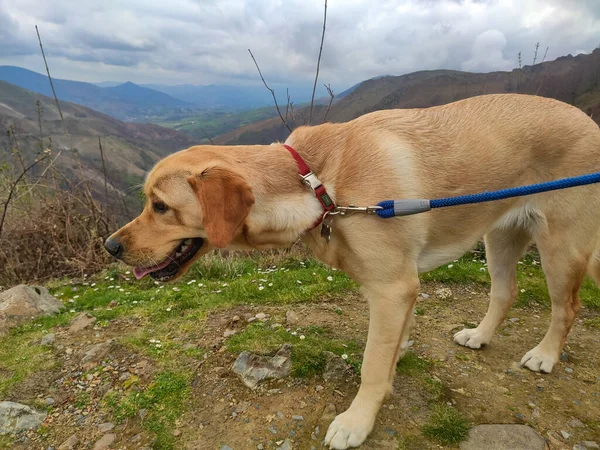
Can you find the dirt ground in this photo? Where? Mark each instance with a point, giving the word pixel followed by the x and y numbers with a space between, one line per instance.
pixel 486 386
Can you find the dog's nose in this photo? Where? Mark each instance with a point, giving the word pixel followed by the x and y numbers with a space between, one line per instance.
pixel 114 247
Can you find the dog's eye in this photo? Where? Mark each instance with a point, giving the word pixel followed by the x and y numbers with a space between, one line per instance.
pixel 160 207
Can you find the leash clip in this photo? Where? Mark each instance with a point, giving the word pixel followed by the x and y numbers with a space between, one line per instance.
pixel 311 180
pixel 350 209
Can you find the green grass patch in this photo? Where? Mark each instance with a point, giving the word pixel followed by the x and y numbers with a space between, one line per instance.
pixel 164 400
pixel 446 425
pixel 20 356
pixel 308 345
pixel 412 365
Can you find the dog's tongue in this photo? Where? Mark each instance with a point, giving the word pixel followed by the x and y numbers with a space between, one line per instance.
pixel 141 272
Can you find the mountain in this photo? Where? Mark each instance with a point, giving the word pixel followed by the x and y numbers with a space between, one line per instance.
pixel 572 79
pixel 129 149
pixel 126 101
pixel 236 97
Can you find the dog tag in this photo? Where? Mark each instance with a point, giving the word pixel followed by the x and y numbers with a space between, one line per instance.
pixel 326 232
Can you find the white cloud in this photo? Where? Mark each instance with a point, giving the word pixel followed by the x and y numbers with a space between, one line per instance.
pixel 202 41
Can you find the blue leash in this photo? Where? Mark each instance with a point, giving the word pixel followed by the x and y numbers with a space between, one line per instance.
pixel 394 208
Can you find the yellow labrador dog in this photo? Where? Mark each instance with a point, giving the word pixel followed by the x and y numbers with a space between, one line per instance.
pixel 252 197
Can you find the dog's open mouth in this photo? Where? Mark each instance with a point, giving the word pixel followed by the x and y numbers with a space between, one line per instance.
pixel 171 266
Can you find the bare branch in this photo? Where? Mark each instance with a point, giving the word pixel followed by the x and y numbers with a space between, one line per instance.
pixel 537 46
pixel 271 90
pixel 545 53
pixel 207 136
pixel 312 100
pixel 330 92
pixel 287 105
pixel 13 188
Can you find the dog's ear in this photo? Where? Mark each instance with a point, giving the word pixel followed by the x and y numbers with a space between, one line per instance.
pixel 225 198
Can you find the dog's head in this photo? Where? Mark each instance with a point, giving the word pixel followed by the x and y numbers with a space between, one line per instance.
pixel 196 200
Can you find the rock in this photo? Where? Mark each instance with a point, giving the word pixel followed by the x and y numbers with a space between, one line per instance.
pixel 503 437
pixel 48 339
pixel 225 447
pixel 17 417
pixel 391 432
pixel 335 367
pixel 23 302
pixel 70 443
pixel 564 434
pixel 177 433
pixel 49 401
pixel 291 318
pixel 443 293
pixel 568 370
pixel 260 316
pixel 576 423
pixel 96 353
pixel 287 445
pixel 425 296
pixel 106 427
pixel 297 418
pixel 104 442
pixel 143 413
pixel 252 369
pixel 590 445
pixel 229 332
pixel 81 321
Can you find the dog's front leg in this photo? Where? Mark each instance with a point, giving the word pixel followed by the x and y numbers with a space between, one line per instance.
pixel 390 307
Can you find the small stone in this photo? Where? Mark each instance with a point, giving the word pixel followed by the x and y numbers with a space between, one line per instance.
pixel 70 443
pixel 335 367
pixel 48 339
pixel 568 370
pixel 391 432
pixel 177 433
pixel 520 416
pixel 106 427
pixel 280 415
pixel 143 413
pixel 514 319
pixel 297 418
pixel 253 369
pixel 319 388
pixel 590 445
pixel 273 430
pixel 235 319
pixel 49 401
pixel 225 447
pixel 287 445
pixel 564 357
pixel 260 316
pixel 81 321
pixel 576 423
pixel 502 437
pixel 229 332
pixel 425 296
pixel 443 293
pixel 564 434
pixel 291 318
pixel 105 442
pixel 260 447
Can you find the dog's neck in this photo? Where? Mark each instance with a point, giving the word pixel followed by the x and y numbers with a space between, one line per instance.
pixel 285 209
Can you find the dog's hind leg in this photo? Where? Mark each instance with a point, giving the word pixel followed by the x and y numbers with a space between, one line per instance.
pixel 565 259
pixel 504 247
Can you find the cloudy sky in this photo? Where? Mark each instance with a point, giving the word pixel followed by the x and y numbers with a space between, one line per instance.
pixel 206 41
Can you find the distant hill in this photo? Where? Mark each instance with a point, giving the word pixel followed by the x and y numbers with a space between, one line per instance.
pixel 130 149
pixel 572 79
pixel 126 101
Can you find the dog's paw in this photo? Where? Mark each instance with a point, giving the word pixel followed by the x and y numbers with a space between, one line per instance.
pixel 347 430
pixel 539 360
pixel 471 337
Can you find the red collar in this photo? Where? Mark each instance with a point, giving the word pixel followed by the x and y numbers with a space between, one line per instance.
pixel 311 180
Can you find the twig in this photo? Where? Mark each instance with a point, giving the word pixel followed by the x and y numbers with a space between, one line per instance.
pixel 13 188
pixel 207 136
pixel 545 53
pixel 103 170
pixel 271 90
pixel 330 92
pixel 287 105
pixel 537 46
pixel 312 100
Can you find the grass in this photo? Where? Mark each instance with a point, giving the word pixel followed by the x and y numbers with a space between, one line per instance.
pixel 446 425
pixel 164 400
pixel 308 346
